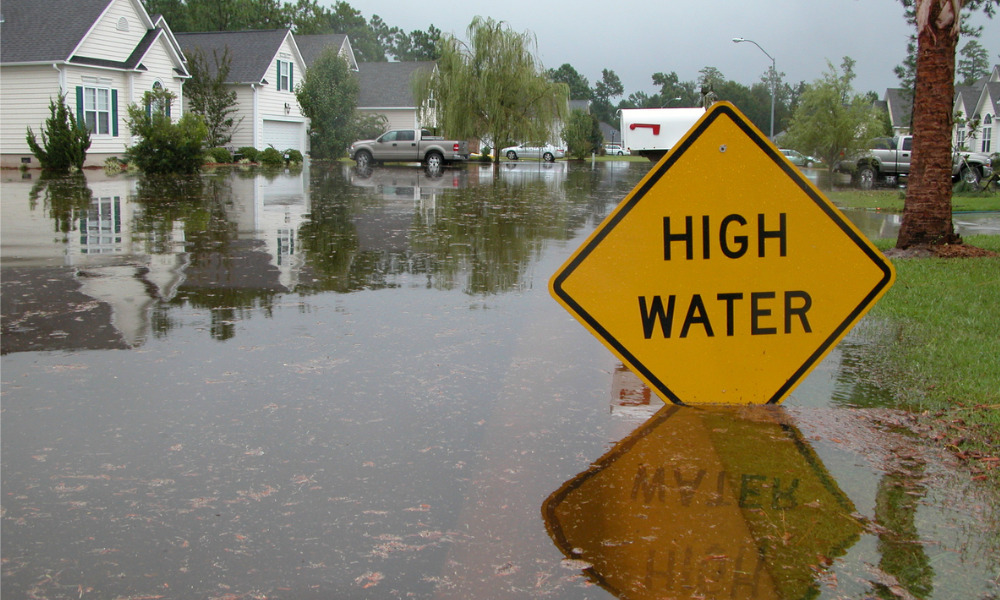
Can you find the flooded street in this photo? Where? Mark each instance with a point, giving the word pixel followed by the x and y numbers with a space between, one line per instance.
pixel 332 384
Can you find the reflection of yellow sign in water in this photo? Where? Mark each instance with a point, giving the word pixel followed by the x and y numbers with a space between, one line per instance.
pixel 725 275
pixel 690 505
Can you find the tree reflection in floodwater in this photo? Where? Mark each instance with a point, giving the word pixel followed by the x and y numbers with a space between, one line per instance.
pixel 903 556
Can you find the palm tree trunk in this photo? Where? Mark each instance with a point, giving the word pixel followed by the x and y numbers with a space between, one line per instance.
pixel 927 211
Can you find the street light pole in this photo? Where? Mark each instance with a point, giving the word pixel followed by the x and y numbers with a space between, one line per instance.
pixel 774 73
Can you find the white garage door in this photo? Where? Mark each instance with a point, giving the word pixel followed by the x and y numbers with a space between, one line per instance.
pixel 284 135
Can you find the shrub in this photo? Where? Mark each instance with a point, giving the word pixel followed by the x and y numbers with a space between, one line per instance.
pixel 164 146
pixel 294 156
pixel 270 156
pixel 220 155
pixel 249 152
pixel 64 141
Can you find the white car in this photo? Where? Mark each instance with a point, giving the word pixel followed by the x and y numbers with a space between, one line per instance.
pixel 798 159
pixel 615 150
pixel 548 152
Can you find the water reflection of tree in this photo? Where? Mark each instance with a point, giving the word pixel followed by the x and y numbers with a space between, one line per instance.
pixel 481 239
pixel 66 196
pixel 329 239
pixel 900 493
pixel 485 238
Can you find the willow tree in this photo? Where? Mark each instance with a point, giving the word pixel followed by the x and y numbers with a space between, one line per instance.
pixel 927 210
pixel 493 88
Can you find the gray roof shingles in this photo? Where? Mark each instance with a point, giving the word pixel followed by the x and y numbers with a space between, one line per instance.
pixel 45 30
pixel 900 105
pixel 311 46
pixel 388 84
pixel 250 51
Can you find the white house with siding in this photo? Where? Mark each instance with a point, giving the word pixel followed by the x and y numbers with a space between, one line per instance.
pixel 975 113
pixel 101 54
pixel 265 66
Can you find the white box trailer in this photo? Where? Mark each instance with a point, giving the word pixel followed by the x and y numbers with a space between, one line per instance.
pixel 650 132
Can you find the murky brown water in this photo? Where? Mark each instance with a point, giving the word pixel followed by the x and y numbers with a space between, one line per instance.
pixel 322 384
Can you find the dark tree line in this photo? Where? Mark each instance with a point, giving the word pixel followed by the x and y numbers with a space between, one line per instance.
pixel 607 96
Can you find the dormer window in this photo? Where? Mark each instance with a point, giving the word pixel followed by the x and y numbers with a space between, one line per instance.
pixel 122 24
pixel 285 75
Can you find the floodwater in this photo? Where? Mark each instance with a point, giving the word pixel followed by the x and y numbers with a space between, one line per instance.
pixel 326 384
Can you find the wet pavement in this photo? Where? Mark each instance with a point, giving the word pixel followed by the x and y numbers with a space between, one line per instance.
pixel 332 384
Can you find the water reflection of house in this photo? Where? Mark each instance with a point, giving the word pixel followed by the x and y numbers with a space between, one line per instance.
pixel 270 209
pixel 100 256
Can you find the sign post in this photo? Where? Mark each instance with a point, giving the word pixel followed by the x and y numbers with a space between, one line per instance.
pixel 725 276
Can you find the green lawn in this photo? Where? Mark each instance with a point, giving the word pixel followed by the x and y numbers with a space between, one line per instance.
pixel 938 348
pixel 935 342
pixel 892 200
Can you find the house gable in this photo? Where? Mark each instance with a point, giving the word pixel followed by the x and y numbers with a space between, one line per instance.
pixel 311 46
pixel 117 33
pixel 899 104
pixel 251 53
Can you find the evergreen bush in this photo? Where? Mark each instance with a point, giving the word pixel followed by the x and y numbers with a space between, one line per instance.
pixel 270 156
pixel 249 152
pixel 220 155
pixel 64 141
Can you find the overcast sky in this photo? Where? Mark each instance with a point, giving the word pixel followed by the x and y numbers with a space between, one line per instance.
pixel 638 38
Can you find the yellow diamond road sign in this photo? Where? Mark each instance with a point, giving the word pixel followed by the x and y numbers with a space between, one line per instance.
pixel 725 276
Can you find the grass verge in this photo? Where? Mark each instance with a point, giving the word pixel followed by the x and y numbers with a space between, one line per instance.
pixel 892 200
pixel 941 351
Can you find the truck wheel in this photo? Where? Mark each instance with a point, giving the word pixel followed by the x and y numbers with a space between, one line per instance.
pixel 865 177
pixel 434 160
pixel 363 159
pixel 548 157
pixel 511 155
pixel 971 176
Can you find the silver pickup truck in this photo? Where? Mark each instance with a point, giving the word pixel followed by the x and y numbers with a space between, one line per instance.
pixel 888 160
pixel 408 145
